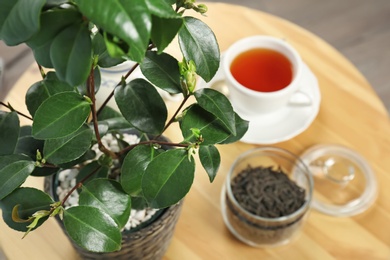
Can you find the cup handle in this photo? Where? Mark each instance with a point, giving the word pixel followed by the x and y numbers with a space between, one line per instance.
pixel 300 99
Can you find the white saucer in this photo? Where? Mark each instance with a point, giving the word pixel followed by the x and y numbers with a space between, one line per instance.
pixel 285 123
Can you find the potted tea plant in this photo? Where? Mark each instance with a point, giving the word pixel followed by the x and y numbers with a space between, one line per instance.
pixel 71 40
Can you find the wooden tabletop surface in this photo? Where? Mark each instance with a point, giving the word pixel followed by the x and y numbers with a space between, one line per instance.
pixel 351 114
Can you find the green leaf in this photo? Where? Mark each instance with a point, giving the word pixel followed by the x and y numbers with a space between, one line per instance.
pixel 83 88
pixel 14 170
pixel 217 104
pixel 60 115
pixel 100 49
pixel 69 148
pixel 92 229
pixel 113 119
pixel 170 2
pixel 163 71
pixel 198 43
pixel 132 22
pixel 52 23
pixel 42 90
pixel 94 168
pixel 9 132
pixel 53 3
pixel 28 145
pixel 71 54
pixel 134 166
pixel 241 128
pixel 89 155
pixel 19 20
pixel 109 197
pixel 161 9
pixel 142 106
pixel 165 184
pixel 210 127
pixel 210 160
pixel 30 200
pixel 164 30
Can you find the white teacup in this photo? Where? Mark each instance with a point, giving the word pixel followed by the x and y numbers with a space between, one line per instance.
pixel 252 102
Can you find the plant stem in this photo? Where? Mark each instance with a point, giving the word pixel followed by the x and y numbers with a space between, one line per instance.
pixel 173 118
pixel 79 184
pixel 12 109
pixel 112 92
pixel 151 46
pixel 91 92
pixel 130 147
pixel 42 71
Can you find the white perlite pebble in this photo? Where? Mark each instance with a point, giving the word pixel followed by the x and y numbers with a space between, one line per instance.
pixel 67 181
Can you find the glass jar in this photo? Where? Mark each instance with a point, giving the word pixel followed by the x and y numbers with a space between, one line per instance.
pixel 240 217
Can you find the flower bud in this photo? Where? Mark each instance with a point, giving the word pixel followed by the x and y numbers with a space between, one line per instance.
pixel 190 78
pixel 201 8
pixel 189 4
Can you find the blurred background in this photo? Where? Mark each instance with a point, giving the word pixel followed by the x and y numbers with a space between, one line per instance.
pixel 359 29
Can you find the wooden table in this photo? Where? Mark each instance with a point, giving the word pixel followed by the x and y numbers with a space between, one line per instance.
pixel 351 114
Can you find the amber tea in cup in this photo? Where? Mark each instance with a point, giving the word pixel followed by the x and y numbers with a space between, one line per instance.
pixel 262 70
pixel 263 75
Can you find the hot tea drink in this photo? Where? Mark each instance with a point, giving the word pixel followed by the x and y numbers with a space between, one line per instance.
pixel 262 70
pixel 263 75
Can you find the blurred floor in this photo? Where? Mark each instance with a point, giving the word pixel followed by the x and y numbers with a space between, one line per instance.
pixel 359 29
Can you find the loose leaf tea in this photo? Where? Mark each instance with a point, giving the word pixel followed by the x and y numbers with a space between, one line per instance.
pixel 267 192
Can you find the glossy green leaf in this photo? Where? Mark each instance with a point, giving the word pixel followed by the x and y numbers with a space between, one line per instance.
pixel 170 2
pixel 9 132
pixel 163 71
pixel 60 115
pixel 118 123
pixel 161 9
pixel 83 88
pixel 29 146
pixel 217 104
pixel 52 23
pixel 25 130
pixel 109 197
pixel 210 160
pixel 113 119
pixel 165 184
pixel 14 170
pixel 42 90
pixel 142 106
pixel 30 200
pixel 19 20
pixel 198 43
pixel 116 48
pixel 71 54
pixel 164 30
pixel 53 3
pixel 92 229
pixel 91 171
pixel 134 166
pixel 210 127
pixel 69 148
pixel 100 49
pixel 132 22
pixel 241 128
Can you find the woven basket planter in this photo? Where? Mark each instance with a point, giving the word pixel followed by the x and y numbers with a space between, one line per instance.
pixel 149 242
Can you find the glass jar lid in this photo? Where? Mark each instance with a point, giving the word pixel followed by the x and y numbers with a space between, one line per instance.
pixel 344 183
